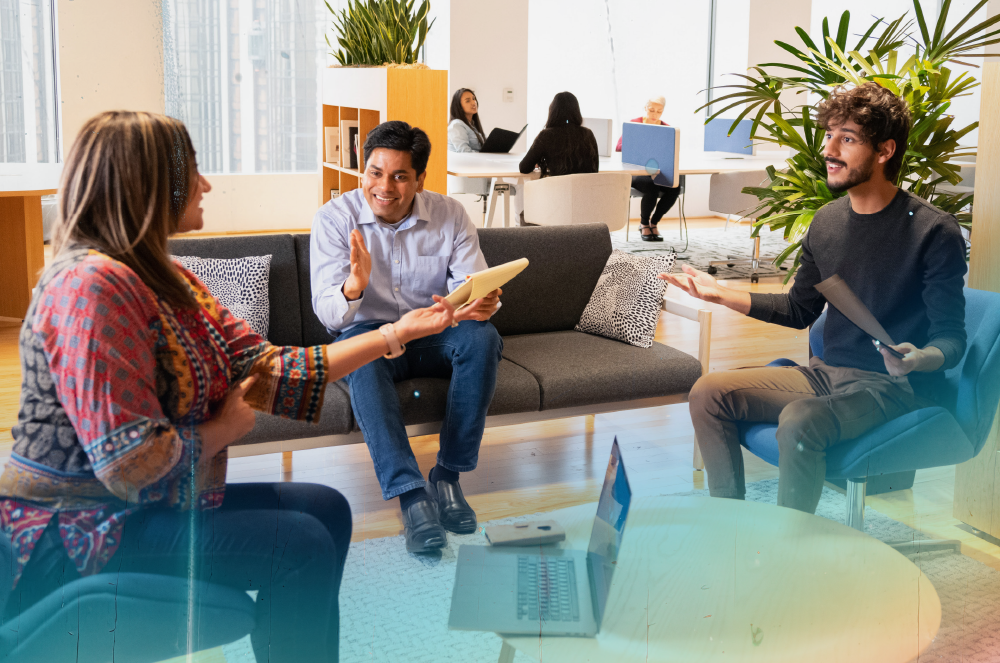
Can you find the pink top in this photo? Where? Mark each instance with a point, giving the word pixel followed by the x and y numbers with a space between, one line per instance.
pixel 638 119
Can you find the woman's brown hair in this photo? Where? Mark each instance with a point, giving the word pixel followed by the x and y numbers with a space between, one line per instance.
pixel 125 186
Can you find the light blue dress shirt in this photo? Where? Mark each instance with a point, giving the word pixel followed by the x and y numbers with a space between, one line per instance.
pixel 430 252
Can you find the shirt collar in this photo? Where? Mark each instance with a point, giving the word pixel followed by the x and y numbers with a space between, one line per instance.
pixel 418 213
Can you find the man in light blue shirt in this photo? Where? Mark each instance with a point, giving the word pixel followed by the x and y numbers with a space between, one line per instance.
pixel 376 253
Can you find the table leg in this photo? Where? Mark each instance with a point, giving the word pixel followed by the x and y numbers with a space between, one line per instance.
pixel 494 195
pixel 506 653
pixel 21 252
pixel 506 208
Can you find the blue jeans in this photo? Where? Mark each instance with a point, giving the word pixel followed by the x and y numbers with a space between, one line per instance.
pixel 468 354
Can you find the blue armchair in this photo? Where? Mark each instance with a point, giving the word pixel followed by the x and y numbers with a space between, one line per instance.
pixel 135 617
pixel 930 437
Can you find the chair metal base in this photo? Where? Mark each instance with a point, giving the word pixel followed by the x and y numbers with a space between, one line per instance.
pixel 856 504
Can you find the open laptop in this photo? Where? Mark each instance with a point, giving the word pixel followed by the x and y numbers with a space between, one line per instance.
pixel 546 591
pixel 501 140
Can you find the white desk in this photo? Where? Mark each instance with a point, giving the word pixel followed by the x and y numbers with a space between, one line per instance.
pixel 701 579
pixel 505 166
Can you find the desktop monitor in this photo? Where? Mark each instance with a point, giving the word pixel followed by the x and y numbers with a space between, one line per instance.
pixel 602 132
pixel 717 138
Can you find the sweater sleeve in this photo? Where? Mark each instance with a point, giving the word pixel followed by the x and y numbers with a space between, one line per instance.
pixel 801 305
pixel 533 155
pixel 458 137
pixel 944 279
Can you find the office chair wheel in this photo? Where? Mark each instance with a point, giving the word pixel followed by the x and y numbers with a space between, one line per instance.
pixel 712 269
pixel 729 264
pixel 754 278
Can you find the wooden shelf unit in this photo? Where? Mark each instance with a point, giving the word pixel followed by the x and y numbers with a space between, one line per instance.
pixel 373 95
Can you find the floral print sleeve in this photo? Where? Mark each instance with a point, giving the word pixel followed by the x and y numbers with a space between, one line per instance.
pixel 290 381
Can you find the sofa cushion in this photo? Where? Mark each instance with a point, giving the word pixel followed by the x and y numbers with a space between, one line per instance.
pixel 551 294
pixel 626 303
pixel 575 369
pixel 240 284
pixel 313 331
pixel 284 321
pixel 516 392
pixel 336 418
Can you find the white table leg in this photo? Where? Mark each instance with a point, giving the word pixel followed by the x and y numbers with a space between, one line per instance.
pixel 506 653
pixel 493 202
pixel 506 207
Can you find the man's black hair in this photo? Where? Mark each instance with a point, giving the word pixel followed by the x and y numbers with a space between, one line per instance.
pixel 398 135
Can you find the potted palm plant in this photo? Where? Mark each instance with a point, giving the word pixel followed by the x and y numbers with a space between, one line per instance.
pixel 793 195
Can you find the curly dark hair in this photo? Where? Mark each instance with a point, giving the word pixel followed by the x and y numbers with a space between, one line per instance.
pixel 880 114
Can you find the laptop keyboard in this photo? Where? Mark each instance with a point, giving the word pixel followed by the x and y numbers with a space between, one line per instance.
pixel 546 589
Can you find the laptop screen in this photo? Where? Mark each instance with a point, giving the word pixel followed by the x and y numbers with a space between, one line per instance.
pixel 609 526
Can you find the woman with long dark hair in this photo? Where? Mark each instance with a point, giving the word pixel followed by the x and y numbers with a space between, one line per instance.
pixel 135 381
pixel 465 134
pixel 564 146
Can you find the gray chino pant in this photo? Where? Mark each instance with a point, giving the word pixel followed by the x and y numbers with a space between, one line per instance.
pixel 815 407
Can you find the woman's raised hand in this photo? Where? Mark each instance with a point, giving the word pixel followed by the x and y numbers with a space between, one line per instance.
pixel 232 420
pixel 425 321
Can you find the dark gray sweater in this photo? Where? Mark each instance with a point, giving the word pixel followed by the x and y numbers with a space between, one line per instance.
pixel 906 263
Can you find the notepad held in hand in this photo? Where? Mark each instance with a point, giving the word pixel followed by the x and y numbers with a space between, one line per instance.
pixel 483 283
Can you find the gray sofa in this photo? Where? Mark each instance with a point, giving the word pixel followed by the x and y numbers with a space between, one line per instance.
pixel 548 370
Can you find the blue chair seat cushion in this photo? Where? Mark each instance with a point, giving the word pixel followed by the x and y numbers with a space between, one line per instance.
pixel 128 617
pixel 929 437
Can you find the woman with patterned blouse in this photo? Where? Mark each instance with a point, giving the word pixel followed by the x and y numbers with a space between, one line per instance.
pixel 136 379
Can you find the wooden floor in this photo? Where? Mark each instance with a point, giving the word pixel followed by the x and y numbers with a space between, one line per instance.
pixel 538 467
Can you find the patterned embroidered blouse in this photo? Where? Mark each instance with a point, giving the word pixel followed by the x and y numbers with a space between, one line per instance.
pixel 114 382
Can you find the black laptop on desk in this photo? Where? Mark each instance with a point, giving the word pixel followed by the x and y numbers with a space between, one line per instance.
pixel 501 140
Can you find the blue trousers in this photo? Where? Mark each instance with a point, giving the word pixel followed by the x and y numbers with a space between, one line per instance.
pixel 287 541
pixel 469 355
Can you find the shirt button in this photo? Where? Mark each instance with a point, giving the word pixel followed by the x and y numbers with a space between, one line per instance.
pixel 397 262
pixel 396 289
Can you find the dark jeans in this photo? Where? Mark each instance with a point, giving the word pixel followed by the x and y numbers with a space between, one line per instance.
pixel 815 408
pixel 651 210
pixel 288 541
pixel 469 355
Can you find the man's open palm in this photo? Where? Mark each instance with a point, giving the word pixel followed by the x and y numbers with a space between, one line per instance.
pixel 695 283
pixel 361 267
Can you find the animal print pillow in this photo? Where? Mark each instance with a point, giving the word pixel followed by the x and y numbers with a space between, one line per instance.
pixel 625 305
pixel 239 284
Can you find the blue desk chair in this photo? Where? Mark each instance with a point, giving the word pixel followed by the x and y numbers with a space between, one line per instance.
pixel 930 437
pixel 134 617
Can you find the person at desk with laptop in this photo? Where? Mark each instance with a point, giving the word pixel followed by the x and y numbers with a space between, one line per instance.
pixel 564 146
pixel 656 200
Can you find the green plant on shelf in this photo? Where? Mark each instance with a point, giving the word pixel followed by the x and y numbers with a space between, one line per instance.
pixel 790 197
pixel 379 32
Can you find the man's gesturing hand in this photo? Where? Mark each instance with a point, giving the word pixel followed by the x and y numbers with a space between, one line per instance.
pixel 361 267
pixel 481 309
pixel 695 283
pixel 915 360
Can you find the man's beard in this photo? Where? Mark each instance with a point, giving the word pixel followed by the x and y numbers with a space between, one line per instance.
pixel 855 176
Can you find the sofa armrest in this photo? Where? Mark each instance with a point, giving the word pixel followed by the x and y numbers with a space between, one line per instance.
pixel 704 319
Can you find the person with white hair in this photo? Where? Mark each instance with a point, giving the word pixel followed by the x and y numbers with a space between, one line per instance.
pixel 656 200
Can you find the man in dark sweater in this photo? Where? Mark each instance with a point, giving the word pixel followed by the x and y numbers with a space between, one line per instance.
pixel 904 258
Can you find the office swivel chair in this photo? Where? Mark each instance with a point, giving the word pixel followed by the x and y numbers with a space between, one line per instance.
pixel 726 197
pixel 925 438
pixel 581 198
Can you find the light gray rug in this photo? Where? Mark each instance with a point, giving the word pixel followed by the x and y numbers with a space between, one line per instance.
pixel 708 244
pixel 394 606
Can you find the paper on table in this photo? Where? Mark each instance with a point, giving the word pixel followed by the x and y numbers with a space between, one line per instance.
pixel 483 283
pixel 842 298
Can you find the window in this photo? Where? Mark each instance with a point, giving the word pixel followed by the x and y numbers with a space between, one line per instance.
pixel 222 57
pixel 614 55
pixel 28 123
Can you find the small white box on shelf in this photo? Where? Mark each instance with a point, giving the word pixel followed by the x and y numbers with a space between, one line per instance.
pixel 332 135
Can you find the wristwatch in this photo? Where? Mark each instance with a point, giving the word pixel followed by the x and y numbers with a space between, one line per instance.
pixel 395 347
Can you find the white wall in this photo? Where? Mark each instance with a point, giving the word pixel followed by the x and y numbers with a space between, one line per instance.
pixel 489 52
